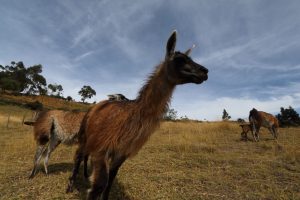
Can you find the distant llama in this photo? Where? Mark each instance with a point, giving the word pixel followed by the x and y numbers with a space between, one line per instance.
pixel 113 131
pixel 245 129
pixel 52 128
pixel 259 119
pixel 117 97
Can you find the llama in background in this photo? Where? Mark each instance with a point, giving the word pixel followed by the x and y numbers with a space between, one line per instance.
pixel 259 119
pixel 117 97
pixel 245 129
pixel 113 131
pixel 52 128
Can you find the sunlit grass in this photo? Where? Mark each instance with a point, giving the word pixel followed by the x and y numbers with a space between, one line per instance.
pixel 180 161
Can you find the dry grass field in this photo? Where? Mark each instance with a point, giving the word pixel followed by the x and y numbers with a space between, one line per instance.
pixel 182 160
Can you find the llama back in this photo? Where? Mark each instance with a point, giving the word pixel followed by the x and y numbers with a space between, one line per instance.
pixel 66 124
pixel 268 119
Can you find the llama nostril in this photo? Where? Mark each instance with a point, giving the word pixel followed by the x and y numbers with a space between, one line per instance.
pixel 205 69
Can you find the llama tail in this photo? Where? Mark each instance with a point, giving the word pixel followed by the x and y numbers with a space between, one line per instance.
pixel 43 131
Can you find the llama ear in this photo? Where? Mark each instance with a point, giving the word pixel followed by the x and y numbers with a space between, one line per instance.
pixel 189 50
pixel 171 45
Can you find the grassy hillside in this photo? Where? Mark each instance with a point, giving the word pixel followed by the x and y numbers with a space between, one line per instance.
pixel 47 101
pixel 181 161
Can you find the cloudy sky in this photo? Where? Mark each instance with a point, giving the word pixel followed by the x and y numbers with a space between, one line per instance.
pixel 251 48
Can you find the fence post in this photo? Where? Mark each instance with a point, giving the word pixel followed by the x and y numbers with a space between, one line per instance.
pixel 23 119
pixel 8 121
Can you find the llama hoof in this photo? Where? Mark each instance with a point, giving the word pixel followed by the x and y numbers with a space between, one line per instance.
pixel 70 187
pixel 31 176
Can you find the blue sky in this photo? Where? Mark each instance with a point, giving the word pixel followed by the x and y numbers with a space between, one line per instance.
pixel 250 47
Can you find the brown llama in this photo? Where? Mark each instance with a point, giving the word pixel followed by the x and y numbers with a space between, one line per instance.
pixel 245 129
pixel 52 128
pixel 113 131
pixel 260 119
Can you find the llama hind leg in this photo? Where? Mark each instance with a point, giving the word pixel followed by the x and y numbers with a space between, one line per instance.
pixel 38 155
pixel 52 145
pixel 271 131
pixel 275 132
pixel 99 179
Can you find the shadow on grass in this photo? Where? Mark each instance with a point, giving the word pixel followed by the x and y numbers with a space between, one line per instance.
pixel 57 168
pixel 252 140
pixel 117 192
pixel 82 184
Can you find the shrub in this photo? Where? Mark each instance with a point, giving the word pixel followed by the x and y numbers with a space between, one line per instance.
pixel 35 105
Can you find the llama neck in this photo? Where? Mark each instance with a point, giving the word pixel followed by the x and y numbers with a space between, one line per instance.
pixel 155 95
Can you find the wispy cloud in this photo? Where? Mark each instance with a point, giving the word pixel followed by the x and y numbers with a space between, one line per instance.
pixel 81 35
pixel 82 56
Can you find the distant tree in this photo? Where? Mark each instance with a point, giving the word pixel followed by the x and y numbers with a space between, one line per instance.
pixel 171 114
pixel 240 120
pixel 17 78
pixel 7 83
pixel 69 98
pixel 55 89
pixel 225 115
pixel 86 92
pixel 184 118
pixel 36 83
pixel 288 117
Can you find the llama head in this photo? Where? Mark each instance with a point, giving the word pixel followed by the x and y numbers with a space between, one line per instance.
pixel 181 68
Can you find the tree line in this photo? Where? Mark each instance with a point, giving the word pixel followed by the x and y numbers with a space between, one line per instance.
pixel 18 79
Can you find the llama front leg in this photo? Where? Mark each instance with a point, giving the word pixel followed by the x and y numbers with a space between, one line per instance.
pixel 77 160
pixel 38 155
pixel 257 133
pixel 254 132
pixel 99 179
pixel 112 174
pixel 52 145
pixel 85 163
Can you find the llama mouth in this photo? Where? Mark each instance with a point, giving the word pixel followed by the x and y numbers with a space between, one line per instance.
pixel 199 78
pixel 196 77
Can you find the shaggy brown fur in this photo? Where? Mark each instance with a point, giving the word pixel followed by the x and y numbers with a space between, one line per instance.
pixel 111 132
pixel 52 128
pixel 259 119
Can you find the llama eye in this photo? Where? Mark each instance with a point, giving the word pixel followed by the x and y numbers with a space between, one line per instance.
pixel 179 60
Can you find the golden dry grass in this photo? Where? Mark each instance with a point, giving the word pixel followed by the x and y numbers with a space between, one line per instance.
pixel 181 161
